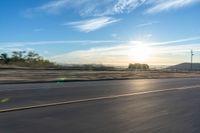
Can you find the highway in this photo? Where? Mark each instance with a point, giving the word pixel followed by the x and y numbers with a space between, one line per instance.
pixel 113 106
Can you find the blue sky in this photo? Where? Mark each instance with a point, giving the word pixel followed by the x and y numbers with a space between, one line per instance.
pixel 113 32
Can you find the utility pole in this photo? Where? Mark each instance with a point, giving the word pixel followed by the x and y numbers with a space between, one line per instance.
pixel 192 54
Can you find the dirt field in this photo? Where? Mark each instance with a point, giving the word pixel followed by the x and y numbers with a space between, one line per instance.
pixel 12 76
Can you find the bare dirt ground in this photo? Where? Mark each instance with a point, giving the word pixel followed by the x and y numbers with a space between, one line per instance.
pixel 17 76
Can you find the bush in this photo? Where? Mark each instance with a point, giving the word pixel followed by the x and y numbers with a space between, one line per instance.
pixel 138 66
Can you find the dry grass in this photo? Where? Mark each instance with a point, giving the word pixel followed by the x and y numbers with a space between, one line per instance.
pixel 11 75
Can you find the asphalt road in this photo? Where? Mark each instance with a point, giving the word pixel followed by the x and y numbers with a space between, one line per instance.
pixel 123 106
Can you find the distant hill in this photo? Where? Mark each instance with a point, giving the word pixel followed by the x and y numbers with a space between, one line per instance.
pixel 185 66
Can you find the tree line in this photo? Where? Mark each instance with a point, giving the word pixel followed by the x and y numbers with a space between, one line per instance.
pixel 23 58
pixel 33 59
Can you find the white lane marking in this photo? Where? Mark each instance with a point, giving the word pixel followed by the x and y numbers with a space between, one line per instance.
pixel 188 87
pixel 97 98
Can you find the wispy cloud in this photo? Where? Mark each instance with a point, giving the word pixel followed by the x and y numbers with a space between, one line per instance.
pixel 164 5
pixel 92 24
pixel 110 7
pixel 60 42
pixel 147 24
pixel 90 7
pixel 91 42
pixel 176 41
pixel 102 9
pixel 126 5
pixel 53 6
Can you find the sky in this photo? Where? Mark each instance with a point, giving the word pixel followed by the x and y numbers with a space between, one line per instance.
pixel 114 32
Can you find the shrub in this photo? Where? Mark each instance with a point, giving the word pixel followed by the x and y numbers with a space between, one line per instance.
pixel 138 66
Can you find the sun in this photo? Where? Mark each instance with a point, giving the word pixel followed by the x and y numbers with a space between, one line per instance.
pixel 140 53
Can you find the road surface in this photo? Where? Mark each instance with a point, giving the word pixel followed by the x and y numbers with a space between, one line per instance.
pixel 121 106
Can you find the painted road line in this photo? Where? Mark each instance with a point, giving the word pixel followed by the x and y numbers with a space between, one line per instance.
pixel 96 99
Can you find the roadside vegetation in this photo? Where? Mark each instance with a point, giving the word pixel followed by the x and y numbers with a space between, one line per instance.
pixel 91 67
pixel 137 66
pixel 34 60
pixel 24 59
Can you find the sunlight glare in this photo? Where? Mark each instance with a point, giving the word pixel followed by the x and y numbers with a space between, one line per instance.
pixel 140 52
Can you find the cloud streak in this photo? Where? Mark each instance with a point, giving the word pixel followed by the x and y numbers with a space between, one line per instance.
pixel 53 6
pixel 126 5
pixel 165 5
pixel 176 41
pixel 104 8
pixel 90 42
pixel 147 24
pixel 93 24
pixel 90 7
pixel 61 42
pixel 110 7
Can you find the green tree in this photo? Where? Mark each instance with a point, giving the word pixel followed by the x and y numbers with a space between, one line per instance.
pixel 33 56
pixel 25 59
pixel 18 55
pixel 4 57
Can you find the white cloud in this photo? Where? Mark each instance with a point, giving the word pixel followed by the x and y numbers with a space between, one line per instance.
pixel 177 41
pixel 126 5
pixel 164 5
pixel 53 6
pixel 93 24
pixel 90 7
pixel 109 7
pixel 147 24
pixel 69 42
pixel 90 42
